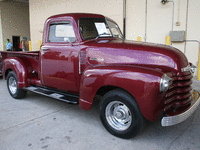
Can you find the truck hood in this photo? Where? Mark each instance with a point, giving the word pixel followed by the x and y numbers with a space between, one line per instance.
pixel 104 51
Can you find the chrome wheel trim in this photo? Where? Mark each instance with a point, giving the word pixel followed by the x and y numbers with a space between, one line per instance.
pixel 12 85
pixel 118 115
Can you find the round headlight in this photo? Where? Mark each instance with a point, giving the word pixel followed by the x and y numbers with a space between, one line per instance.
pixel 165 82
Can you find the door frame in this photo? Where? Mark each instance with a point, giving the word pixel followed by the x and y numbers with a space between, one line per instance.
pixel 14 36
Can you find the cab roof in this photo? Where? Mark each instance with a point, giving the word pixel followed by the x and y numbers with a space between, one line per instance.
pixel 76 16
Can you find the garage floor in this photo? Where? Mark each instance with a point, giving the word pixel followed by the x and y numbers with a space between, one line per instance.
pixel 37 122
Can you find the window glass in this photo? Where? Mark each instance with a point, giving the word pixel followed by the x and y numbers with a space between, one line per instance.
pixel 61 32
pixel 92 28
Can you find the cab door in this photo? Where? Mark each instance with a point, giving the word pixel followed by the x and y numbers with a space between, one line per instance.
pixel 59 57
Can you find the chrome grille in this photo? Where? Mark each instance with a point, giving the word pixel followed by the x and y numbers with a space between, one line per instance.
pixel 179 93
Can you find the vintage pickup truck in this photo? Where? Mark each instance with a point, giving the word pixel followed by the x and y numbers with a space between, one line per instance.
pixel 84 55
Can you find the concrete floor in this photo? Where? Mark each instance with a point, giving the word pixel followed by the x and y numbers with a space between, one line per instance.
pixel 37 122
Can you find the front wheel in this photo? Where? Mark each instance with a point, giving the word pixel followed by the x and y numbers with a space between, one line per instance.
pixel 13 88
pixel 120 114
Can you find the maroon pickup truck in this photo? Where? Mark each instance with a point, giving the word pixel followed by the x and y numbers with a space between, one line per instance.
pixel 84 55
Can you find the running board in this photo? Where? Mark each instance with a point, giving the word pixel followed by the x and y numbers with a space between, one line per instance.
pixel 72 99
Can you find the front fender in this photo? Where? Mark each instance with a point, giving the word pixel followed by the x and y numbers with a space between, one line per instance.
pixel 142 83
pixel 20 69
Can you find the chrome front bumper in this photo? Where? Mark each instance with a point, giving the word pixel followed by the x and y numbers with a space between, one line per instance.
pixel 173 120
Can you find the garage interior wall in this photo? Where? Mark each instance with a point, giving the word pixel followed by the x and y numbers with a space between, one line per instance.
pixel 14 21
pixel 149 19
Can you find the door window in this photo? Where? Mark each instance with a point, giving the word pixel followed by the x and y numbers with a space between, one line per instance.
pixel 61 32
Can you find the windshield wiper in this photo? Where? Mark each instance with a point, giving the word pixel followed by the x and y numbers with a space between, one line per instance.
pixel 101 35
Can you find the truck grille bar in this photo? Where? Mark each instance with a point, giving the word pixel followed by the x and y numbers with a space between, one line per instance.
pixel 179 93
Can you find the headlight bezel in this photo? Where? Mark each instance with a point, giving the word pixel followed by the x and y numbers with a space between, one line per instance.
pixel 165 82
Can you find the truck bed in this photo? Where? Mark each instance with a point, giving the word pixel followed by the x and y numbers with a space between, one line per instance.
pixel 30 59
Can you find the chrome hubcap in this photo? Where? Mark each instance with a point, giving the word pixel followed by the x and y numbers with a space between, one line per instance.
pixel 118 115
pixel 12 85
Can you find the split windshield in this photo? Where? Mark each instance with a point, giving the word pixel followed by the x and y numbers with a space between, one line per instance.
pixel 93 28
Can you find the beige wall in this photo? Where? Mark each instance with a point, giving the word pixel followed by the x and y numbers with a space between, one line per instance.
pixel 159 20
pixel 14 20
pixel 193 30
pixel 135 19
pixel 40 10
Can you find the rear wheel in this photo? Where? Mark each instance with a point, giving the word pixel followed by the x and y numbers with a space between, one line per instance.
pixel 13 88
pixel 120 114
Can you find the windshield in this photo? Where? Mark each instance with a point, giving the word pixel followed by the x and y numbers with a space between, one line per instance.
pixel 93 28
pixel 115 30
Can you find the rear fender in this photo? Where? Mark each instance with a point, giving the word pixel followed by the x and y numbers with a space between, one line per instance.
pixel 142 83
pixel 19 66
